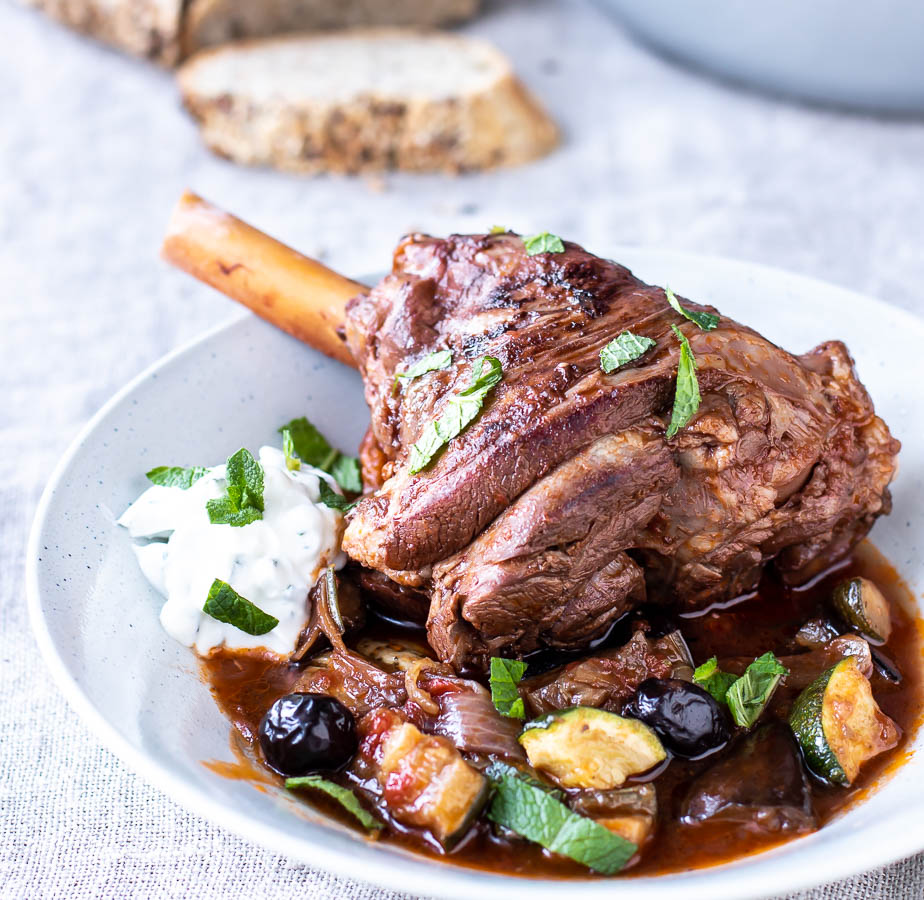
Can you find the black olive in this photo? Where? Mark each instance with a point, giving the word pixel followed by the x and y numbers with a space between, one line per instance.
pixel 301 733
pixel 688 720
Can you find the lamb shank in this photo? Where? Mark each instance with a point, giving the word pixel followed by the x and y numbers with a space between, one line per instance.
pixel 563 504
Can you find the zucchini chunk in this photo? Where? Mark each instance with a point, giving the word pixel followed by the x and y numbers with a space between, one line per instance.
pixel 424 779
pixel 839 725
pixel 865 608
pixel 583 747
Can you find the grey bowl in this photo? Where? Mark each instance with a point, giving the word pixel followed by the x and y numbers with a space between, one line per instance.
pixel 867 55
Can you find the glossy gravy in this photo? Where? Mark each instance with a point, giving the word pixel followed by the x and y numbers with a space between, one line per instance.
pixel 245 687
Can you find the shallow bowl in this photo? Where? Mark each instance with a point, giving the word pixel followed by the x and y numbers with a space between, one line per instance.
pixel 95 617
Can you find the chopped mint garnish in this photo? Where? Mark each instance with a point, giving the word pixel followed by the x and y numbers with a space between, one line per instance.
pixel 505 676
pixel 686 394
pixel 706 321
pixel 227 605
pixel 540 817
pixel 347 473
pixel 460 410
pixel 543 243
pixel 749 695
pixel 623 349
pixel 497 769
pixel 438 359
pixel 176 476
pixel 344 796
pixel 712 679
pixel 293 463
pixel 329 497
pixel 312 448
pixel 243 500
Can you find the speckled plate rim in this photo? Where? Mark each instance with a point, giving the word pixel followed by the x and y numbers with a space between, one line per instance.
pixel 793 866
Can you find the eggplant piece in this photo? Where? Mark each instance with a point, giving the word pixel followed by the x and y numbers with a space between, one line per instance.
pixel 341 602
pixel 815 633
pixel 804 668
pixel 607 679
pixel 760 786
pixel 630 812
pixel 393 656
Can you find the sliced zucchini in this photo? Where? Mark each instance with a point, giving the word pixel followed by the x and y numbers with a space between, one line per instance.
pixel 583 747
pixel 839 725
pixel 865 608
pixel 425 782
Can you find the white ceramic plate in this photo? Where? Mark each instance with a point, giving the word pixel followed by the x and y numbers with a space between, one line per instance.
pixel 95 617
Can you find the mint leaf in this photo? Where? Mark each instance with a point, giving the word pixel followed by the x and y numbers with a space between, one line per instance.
pixel 226 605
pixel 312 448
pixel 542 818
pixel 224 511
pixel 329 497
pixel 505 676
pixel 438 359
pixel 347 473
pixel 623 349
pixel 457 414
pixel 344 796
pixel 176 476
pixel 706 321
pixel 243 500
pixel 245 474
pixel 543 243
pixel 686 394
pixel 497 769
pixel 712 679
pixel 310 445
pixel 749 695
pixel 293 463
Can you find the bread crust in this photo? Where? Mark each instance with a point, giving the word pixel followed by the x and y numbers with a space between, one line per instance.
pixel 499 125
pixel 209 23
pixel 146 28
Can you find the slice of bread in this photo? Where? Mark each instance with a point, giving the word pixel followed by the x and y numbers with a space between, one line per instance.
pixel 365 100
pixel 149 28
pixel 165 30
pixel 212 22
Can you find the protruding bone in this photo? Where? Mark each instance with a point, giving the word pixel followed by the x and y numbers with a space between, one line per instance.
pixel 293 292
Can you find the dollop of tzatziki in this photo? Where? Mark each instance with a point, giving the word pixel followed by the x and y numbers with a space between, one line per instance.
pixel 273 562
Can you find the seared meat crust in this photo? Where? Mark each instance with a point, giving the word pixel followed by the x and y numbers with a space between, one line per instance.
pixel 549 515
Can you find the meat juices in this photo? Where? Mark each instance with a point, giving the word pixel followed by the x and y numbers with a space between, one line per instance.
pixel 563 505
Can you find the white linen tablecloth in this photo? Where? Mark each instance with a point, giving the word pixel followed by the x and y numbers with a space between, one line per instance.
pixel 94 149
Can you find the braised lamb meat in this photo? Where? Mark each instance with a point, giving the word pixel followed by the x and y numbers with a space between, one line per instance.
pixel 563 503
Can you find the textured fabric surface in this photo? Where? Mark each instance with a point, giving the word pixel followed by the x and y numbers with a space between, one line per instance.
pixel 94 150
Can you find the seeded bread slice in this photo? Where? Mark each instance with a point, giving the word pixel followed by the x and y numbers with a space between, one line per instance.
pixel 212 22
pixel 365 100
pixel 149 28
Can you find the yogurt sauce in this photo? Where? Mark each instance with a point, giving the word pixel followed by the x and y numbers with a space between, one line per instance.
pixel 273 562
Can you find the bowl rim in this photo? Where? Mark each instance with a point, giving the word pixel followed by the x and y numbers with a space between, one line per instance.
pixel 402 870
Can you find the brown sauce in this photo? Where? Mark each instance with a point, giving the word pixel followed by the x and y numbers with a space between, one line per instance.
pixel 246 685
